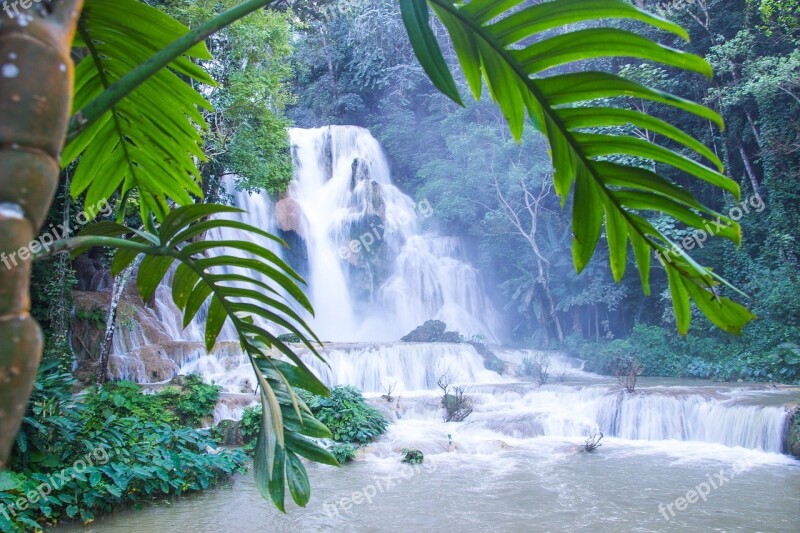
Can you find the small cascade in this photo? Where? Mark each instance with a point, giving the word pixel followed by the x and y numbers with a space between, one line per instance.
pixel 407 368
pixel 664 415
pixel 650 414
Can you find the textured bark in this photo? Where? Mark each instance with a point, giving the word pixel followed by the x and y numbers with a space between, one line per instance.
pixel 751 173
pixel 120 283
pixel 36 75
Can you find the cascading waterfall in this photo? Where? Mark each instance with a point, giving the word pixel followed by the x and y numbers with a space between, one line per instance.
pixel 374 274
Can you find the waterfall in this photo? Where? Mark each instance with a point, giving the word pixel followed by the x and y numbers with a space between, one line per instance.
pixel 375 271
pixel 650 414
pixel 373 274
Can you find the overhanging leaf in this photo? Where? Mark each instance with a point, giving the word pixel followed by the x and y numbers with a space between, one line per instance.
pixel 514 49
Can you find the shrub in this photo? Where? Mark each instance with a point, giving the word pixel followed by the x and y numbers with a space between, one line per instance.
pixel 251 426
pixel 536 367
pixel 197 401
pixel 101 455
pixel 126 399
pixel 457 405
pixel 627 371
pixel 344 452
pixel 347 415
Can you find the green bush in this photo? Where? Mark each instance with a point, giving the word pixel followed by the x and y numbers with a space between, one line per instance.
pixel 344 452
pixel 652 346
pixel 126 400
pixel 197 401
pixel 663 352
pixel 251 425
pixel 92 455
pixel 347 415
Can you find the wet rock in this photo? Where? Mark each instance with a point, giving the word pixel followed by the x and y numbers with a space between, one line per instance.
pixel 452 337
pixel 793 437
pixel 91 274
pixel 490 360
pixel 230 432
pixel 430 331
pixel 145 341
pixel 433 331
pixel 290 217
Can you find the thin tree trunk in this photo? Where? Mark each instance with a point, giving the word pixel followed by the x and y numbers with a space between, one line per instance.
pixel 533 207
pixel 596 323
pixel 753 127
pixel 748 166
pixel 120 283
pixel 60 309
pixel 35 102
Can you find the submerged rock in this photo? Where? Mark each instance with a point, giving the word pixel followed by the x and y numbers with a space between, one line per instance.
pixel 230 432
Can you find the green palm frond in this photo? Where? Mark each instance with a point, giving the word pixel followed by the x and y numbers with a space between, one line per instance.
pixel 513 49
pixel 149 141
pixel 235 288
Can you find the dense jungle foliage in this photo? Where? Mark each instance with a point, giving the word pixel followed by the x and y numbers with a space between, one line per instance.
pixel 315 63
pixel 358 68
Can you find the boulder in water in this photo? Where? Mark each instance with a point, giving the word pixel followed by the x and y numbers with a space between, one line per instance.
pixel 433 331
pixel 230 433
pixel 430 331
pixel 793 439
pixel 289 216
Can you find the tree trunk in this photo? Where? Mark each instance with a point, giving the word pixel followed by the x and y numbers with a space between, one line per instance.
pixel 751 173
pixel 36 78
pixel 120 283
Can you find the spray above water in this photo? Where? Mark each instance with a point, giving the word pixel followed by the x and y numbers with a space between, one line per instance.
pixel 373 274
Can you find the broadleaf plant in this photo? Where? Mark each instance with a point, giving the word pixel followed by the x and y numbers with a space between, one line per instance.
pixel 251 290
pixel 514 48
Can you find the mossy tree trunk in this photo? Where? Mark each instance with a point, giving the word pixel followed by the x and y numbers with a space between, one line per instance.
pixel 36 75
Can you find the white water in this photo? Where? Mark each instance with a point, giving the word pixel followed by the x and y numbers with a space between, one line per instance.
pixel 351 213
pixel 343 191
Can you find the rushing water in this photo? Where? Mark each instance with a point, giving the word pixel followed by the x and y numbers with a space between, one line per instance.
pixel 517 463
pixel 351 215
pixel 549 488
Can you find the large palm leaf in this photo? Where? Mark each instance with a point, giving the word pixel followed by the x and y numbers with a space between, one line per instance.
pixel 142 136
pixel 149 141
pixel 513 47
pixel 242 282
